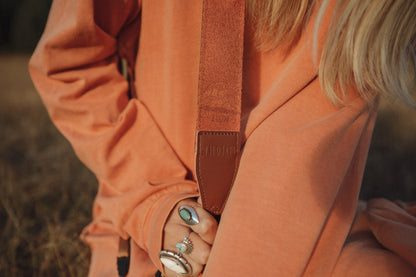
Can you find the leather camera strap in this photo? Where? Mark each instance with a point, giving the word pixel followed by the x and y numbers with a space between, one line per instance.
pixel 219 100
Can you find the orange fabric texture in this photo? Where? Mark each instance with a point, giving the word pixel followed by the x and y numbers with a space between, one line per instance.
pixel 295 196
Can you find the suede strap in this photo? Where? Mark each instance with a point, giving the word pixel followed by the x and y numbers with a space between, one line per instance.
pixel 219 100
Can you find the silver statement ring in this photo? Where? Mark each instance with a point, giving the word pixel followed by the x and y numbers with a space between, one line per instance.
pixel 188 215
pixel 175 262
pixel 185 246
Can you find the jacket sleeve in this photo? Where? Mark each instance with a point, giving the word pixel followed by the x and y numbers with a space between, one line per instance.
pixel 74 68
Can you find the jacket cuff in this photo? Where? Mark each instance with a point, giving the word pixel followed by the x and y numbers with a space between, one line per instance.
pixel 104 251
pixel 147 225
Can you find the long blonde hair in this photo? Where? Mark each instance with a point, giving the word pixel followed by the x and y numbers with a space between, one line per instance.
pixel 370 44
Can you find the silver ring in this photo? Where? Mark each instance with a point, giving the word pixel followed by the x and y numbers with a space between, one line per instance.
pixel 175 262
pixel 188 215
pixel 185 246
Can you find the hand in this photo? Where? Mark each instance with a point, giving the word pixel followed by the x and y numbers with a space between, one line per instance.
pixel 201 235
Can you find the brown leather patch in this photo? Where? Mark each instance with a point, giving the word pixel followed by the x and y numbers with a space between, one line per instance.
pixel 217 157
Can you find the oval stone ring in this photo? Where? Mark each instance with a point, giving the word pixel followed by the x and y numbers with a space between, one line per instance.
pixel 188 215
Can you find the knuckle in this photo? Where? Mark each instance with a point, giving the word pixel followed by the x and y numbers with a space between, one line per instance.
pixel 208 225
pixel 205 254
pixel 205 227
pixel 196 270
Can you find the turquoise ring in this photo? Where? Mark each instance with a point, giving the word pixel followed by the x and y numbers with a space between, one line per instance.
pixel 188 215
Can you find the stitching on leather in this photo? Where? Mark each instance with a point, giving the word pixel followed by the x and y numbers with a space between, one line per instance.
pixel 227 133
pixel 202 182
pixel 201 187
pixel 236 162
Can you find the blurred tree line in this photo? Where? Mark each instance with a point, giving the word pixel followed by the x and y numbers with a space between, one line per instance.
pixel 22 23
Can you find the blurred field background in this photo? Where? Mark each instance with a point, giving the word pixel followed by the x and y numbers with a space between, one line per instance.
pixel 46 194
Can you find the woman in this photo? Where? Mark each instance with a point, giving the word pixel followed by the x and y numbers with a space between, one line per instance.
pixel 308 110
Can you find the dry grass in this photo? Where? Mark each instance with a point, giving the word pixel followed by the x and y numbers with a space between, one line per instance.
pixel 46 194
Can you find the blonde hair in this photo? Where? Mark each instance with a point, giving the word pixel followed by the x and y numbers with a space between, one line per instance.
pixel 370 44
pixel 278 21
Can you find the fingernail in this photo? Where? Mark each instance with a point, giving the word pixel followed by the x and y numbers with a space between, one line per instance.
pixel 188 215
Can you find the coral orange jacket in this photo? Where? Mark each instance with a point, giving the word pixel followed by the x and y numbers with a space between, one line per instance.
pixel 294 200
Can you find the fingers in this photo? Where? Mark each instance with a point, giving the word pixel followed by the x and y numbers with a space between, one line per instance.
pixel 200 250
pixel 191 231
pixel 207 226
